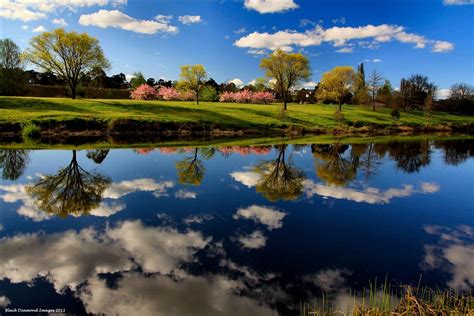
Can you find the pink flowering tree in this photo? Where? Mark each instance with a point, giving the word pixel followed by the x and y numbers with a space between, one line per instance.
pixel 263 97
pixel 143 92
pixel 227 96
pixel 168 94
pixel 247 96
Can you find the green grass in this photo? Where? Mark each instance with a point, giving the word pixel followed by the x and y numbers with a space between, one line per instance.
pixel 214 114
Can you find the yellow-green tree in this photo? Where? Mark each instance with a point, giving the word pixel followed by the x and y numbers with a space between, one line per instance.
pixel 336 84
pixel 287 70
pixel 69 55
pixel 193 77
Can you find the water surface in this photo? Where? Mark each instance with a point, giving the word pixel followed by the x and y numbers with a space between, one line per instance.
pixel 231 230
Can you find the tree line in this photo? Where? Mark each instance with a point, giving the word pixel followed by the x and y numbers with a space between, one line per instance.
pixel 76 60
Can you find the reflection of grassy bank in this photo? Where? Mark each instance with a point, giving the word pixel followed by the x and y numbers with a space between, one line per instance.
pixel 110 142
pixel 388 301
pixel 108 117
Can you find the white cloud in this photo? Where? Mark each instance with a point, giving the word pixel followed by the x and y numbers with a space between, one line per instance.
pixel 29 10
pixel 238 83
pixel 338 37
pixel 107 209
pixel 267 216
pixel 270 6
pixel 257 52
pixel 185 194
pixel 367 195
pixel 117 190
pixel 341 20
pixel 39 29
pixel 255 240
pixel 345 50
pixel 310 85
pixel 240 31
pixel 4 301
pixel 117 19
pixel 163 18
pixel 453 253
pixel 136 294
pixel 442 94
pixel 25 27
pixel 197 219
pixel 190 19
pixel 442 47
pixel 376 60
pixel 61 22
pixel 457 2
pixel 328 280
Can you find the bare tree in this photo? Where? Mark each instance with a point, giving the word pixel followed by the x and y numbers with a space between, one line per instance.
pixel 375 82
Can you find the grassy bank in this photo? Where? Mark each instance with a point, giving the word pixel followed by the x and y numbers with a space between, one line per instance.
pixel 86 116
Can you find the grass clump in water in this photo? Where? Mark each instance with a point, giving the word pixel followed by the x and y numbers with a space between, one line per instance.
pixel 30 131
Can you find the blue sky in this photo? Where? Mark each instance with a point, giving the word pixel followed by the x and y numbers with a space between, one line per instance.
pixel 399 37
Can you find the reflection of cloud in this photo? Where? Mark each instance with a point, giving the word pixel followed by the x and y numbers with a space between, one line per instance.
pixel 185 194
pixel 136 294
pixel 328 280
pixel 198 219
pixel 247 178
pixel 120 189
pixel 261 214
pixel 157 249
pixel 368 195
pixel 107 209
pixel 453 253
pixel 255 240
pixel 4 301
pixel 17 193
pixel 68 259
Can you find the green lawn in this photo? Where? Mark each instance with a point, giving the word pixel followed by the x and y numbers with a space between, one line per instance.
pixel 215 114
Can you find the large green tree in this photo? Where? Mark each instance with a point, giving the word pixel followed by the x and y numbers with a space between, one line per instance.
pixel 69 55
pixel 193 78
pixel 336 84
pixel 12 76
pixel 287 70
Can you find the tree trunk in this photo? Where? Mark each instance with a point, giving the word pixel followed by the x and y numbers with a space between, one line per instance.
pixel 340 106
pixel 373 105
pixel 73 90
pixel 197 97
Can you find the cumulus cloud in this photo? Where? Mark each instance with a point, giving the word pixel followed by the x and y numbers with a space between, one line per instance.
pixel 84 254
pixel 61 22
pixel 270 6
pixel 267 216
pixel 255 240
pixel 185 194
pixel 25 10
pixel 457 2
pixel 4 301
pixel 453 253
pixel 136 294
pixel 376 60
pixel 338 37
pixel 442 94
pixel 238 83
pixel 368 195
pixel 310 85
pixel 163 18
pixel 117 19
pixel 190 19
pixel 328 280
pixel 345 50
pixel 39 29
pixel 120 189
pixel 24 27
pixel 247 178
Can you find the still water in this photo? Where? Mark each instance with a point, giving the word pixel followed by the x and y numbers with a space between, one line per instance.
pixel 231 230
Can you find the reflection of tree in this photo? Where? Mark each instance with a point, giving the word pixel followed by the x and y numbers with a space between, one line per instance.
pixel 369 161
pixel 410 156
pixel 13 163
pixel 71 191
pixel 191 169
pixel 331 165
pixel 279 179
pixel 97 155
pixel 457 151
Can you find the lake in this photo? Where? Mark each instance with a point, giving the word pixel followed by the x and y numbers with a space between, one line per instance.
pixel 235 230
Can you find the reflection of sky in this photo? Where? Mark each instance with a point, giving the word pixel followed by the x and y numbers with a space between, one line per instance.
pixel 223 245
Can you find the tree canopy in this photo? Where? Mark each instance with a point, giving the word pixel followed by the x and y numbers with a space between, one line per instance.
pixel 193 77
pixel 287 70
pixel 336 84
pixel 69 55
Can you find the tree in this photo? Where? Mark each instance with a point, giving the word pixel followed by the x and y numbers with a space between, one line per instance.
pixel 385 94
pixel 336 84
pixel 13 163
pixel 72 190
pixel 361 94
pixel 193 77
pixel 428 106
pixel 461 98
pixel 287 70
pixel 420 87
pixel 69 55
pixel 151 82
pixel 331 166
pixel 191 170
pixel 209 94
pixel 279 179
pixel 375 81
pixel 12 77
pixel 137 80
